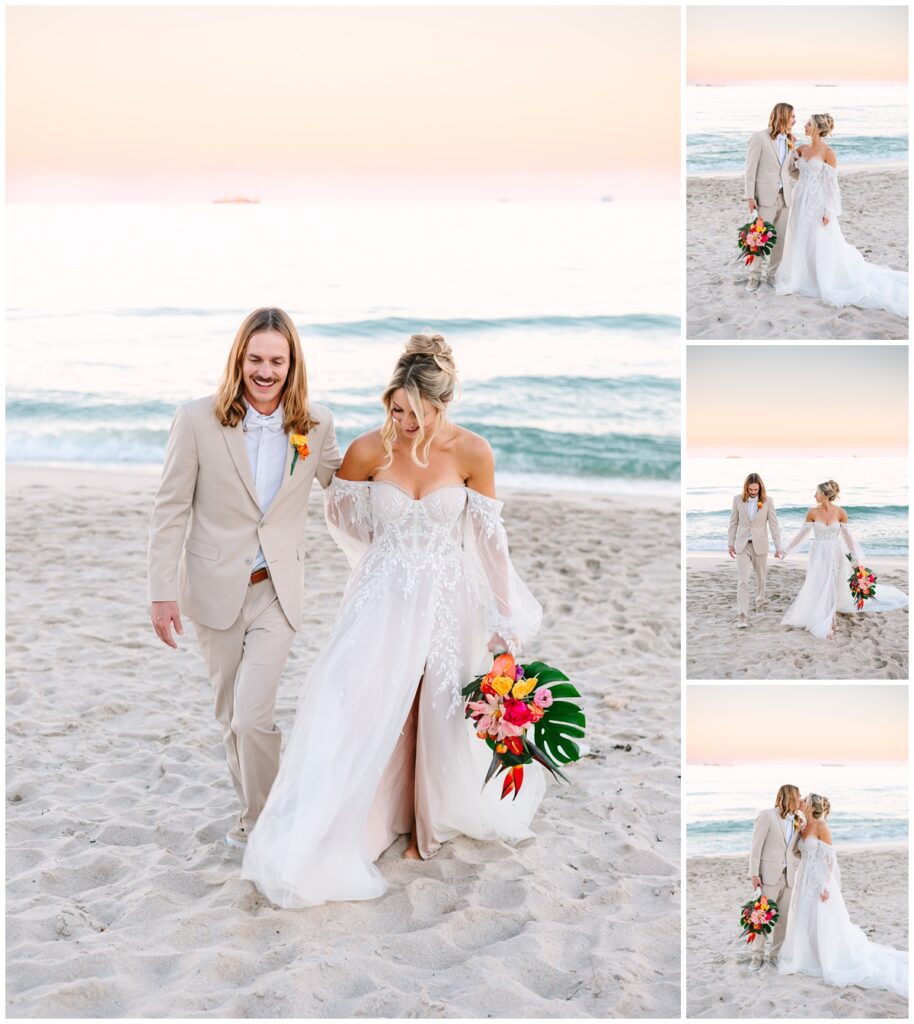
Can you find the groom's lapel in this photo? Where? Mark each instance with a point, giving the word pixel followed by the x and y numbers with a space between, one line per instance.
pixel 287 478
pixel 234 438
pixel 774 149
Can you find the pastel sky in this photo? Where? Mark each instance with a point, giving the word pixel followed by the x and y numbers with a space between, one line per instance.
pixel 289 103
pixel 831 44
pixel 744 400
pixel 818 724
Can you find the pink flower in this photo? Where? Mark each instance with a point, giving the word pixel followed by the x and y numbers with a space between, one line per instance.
pixel 485 714
pixel 517 712
pixel 542 698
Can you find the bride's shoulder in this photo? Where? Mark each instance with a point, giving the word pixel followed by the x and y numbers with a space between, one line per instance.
pixel 829 157
pixel 811 516
pixel 362 457
pixel 842 516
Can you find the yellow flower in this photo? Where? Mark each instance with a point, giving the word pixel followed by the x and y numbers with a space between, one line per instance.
pixel 522 687
pixel 297 440
pixel 502 685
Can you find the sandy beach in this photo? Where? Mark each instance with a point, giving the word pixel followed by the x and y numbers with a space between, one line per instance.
pixel 719 982
pixel 869 646
pixel 875 221
pixel 122 899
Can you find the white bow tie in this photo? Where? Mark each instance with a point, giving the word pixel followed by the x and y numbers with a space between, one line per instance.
pixel 257 421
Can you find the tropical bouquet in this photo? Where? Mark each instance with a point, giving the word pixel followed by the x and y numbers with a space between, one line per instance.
pixel 862 582
pixel 757 239
pixel 513 701
pixel 758 917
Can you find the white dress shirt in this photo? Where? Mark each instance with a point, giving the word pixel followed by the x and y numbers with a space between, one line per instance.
pixel 781 140
pixel 266 443
pixel 751 508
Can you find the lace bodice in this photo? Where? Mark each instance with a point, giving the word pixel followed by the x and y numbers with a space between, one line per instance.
pixel 816 193
pixel 827 533
pixel 430 550
pixel 819 869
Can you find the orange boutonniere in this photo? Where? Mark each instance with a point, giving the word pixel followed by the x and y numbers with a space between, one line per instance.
pixel 300 443
pixel 761 505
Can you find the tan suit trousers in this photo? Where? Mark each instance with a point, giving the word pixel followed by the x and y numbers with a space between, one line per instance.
pixel 780 893
pixel 745 560
pixel 245 663
pixel 778 215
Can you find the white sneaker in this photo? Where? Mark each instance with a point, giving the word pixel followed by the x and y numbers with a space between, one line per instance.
pixel 757 962
pixel 238 837
pixel 742 622
pixel 752 285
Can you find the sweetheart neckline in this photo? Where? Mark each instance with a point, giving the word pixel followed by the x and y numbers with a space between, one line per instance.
pixel 421 497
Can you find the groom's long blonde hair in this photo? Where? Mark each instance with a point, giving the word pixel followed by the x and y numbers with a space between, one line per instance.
pixel 754 478
pixel 230 406
pixel 780 121
pixel 783 799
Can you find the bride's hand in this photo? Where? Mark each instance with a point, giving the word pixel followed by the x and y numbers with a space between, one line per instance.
pixel 823 896
pixel 825 219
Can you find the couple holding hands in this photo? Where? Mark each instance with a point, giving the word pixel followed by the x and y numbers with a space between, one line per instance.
pixel 825 591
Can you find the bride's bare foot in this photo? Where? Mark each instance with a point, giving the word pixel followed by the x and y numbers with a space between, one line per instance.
pixel 412 850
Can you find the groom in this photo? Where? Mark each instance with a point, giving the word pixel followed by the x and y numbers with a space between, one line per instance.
pixel 773 864
pixel 751 516
pixel 770 171
pixel 226 541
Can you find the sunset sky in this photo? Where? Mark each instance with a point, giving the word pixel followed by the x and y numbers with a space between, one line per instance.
pixel 821 724
pixel 288 103
pixel 831 45
pixel 796 400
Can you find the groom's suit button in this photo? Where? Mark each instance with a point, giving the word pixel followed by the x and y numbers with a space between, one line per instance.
pixel 248 561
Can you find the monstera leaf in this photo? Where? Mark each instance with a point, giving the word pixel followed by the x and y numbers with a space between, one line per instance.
pixel 555 733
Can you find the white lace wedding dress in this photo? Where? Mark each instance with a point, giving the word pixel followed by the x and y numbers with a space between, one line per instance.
pixel 818 262
pixel 432 581
pixel 825 590
pixel 822 941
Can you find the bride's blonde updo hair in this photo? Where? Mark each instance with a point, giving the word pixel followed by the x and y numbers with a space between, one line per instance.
pixel 819 806
pixel 824 123
pixel 426 370
pixel 829 490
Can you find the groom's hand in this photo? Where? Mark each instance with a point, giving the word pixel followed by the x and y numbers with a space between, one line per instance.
pixel 164 615
pixel 731 551
pixel 756 882
pixel 753 206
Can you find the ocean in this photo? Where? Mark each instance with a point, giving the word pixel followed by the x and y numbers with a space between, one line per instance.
pixel 563 319
pixel 873 492
pixel 871 122
pixel 869 802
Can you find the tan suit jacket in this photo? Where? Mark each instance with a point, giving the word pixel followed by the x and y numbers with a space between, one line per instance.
pixel 765 174
pixel 741 530
pixel 771 853
pixel 207 525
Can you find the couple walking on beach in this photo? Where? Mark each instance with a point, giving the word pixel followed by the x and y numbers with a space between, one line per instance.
pixel 793 862
pixel 795 188
pixel 825 591
pixel 380 746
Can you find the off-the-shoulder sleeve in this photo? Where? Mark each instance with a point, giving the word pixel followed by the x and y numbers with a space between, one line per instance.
pixel 831 191
pixel 801 535
pixel 511 610
pixel 347 506
pixel 852 546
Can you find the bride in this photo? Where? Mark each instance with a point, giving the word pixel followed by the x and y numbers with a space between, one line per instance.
pixel 820 938
pixel 825 591
pixel 817 261
pixel 380 746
